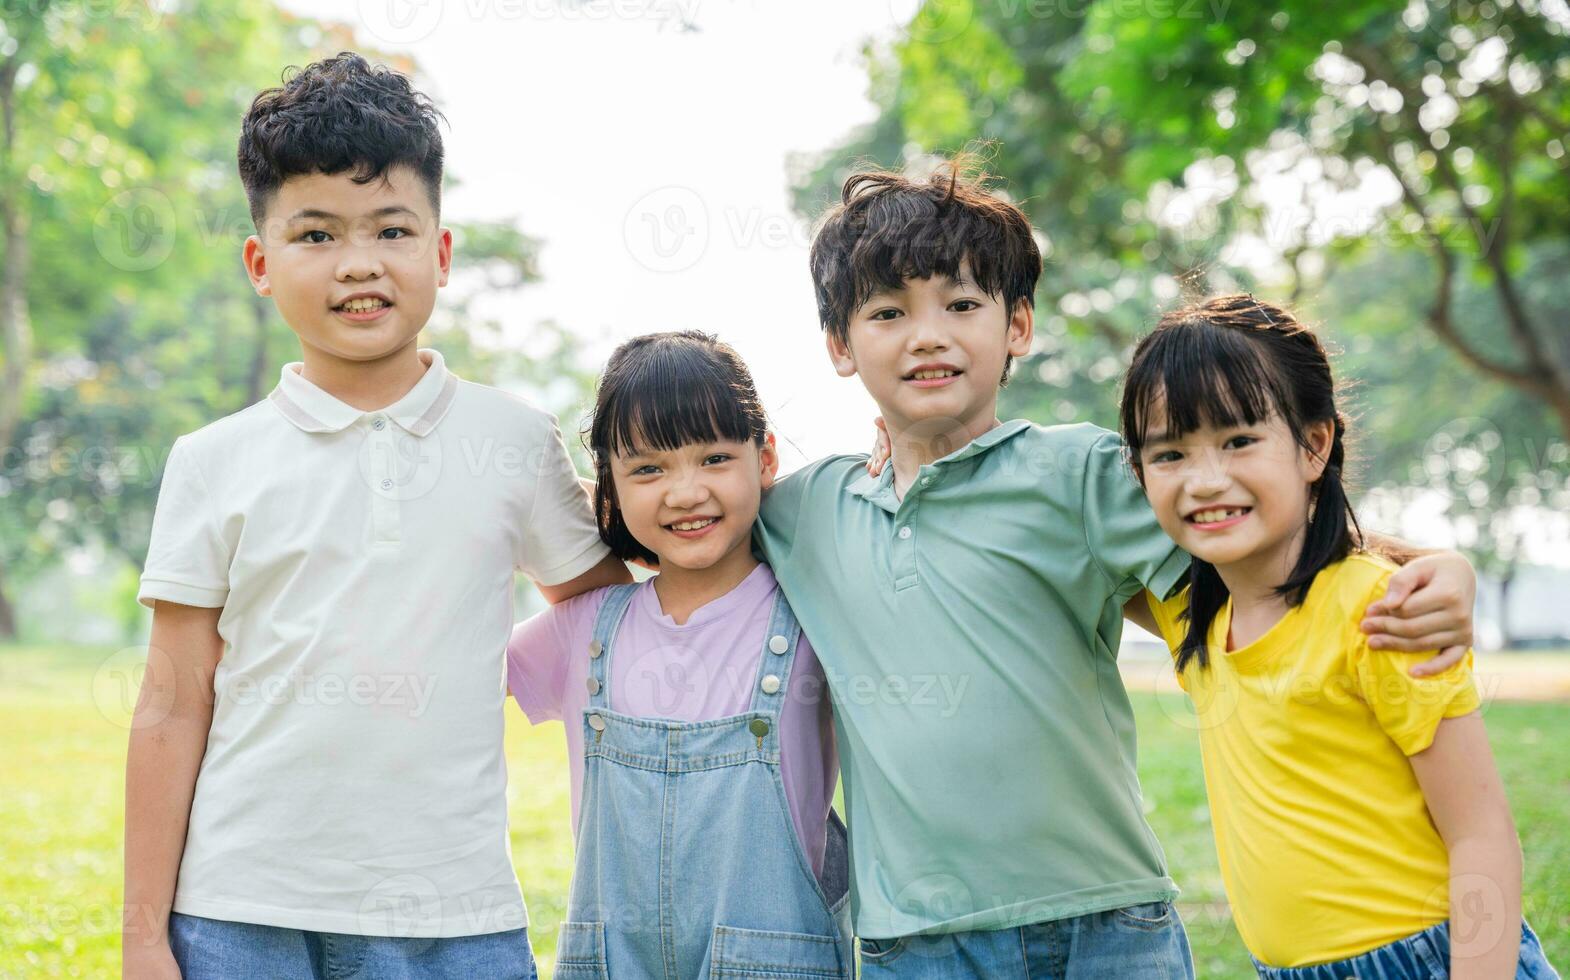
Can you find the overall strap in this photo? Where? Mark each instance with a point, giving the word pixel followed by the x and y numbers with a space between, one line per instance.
pixel 612 610
pixel 779 655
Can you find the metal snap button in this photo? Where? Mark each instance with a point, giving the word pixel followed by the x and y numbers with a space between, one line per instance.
pixel 759 727
pixel 594 686
pixel 778 644
pixel 770 684
pixel 597 723
pixel 595 649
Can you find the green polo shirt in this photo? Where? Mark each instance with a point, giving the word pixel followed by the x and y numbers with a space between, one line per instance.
pixel 969 634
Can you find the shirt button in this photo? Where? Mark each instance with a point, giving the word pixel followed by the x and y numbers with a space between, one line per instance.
pixel 770 684
pixel 595 649
pixel 778 644
pixel 926 481
pixel 904 532
pixel 597 723
pixel 594 686
pixel 379 424
pixel 388 485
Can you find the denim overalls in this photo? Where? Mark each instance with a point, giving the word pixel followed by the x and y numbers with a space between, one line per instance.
pixel 688 863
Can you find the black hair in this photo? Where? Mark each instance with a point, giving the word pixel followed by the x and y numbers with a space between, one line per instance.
pixel 888 228
pixel 664 391
pixel 335 115
pixel 1232 361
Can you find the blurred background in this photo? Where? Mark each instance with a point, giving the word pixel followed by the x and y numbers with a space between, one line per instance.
pixel 1398 173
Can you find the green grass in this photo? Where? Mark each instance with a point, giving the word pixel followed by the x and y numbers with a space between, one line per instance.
pixel 62 781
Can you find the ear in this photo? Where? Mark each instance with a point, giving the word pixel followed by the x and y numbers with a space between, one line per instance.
pixel 256 265
pixel 769 456
pixel 839 354
pixel 444 255
pixel 1320 436
pixel 1021 329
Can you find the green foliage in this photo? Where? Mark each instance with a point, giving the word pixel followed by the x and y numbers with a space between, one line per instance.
pixel 1399 172
pixel 144 326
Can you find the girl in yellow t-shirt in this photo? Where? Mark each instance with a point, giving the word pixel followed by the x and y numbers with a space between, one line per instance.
pixel 1361 824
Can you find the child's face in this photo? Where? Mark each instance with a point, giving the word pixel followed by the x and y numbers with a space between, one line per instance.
pixel 327 240
pixel 1234 494
pixel 694 506
pixel 932 353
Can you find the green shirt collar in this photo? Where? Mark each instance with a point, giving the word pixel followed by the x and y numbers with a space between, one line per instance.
pixel 879 489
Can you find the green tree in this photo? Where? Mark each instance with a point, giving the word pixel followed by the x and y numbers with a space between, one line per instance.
pixel 125 315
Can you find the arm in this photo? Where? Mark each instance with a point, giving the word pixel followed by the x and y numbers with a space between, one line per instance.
pixel 1137 611
pixel 174 711
pixel 1466 798
pixel 1427 607
pixel 610 571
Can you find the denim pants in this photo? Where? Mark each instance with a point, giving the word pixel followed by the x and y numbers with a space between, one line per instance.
pixel 212 949
pixel 1144 941
pixel 688 865
pixel 1422 956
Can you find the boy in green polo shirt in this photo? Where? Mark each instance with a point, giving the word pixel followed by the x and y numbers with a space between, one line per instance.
pixel 967 605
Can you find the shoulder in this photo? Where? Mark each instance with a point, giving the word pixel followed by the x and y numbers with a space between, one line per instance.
pixel 1073 454
pixel 1346 587
pixel 561 624
pixel 507 408
pixel 231 431
pixel 1075 435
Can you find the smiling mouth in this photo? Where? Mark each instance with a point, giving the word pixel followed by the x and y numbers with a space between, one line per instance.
pixel 936 374
pixel 1218 515
pixel 365 304
pixel 693 526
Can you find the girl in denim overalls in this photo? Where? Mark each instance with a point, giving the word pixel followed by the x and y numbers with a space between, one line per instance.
pixel 698 720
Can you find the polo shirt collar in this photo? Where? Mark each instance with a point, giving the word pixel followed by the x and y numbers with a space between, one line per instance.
pixel 313 410
pixel 880 489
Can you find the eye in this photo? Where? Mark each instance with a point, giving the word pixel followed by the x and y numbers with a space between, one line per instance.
pixel 647 469
pixel 890 314
pixel 397 233
pixel 307 237
pixel 1166 456
pixel 964 305
pixel 717 458
pixel 1239 442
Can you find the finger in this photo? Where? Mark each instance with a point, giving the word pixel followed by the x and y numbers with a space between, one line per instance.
pixel 1447 658
pixel 881 424
pixel 1427 643
pixel 1401 585
pixel 1410 627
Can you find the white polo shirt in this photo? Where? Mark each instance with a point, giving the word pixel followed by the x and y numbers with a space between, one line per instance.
pixel 354 780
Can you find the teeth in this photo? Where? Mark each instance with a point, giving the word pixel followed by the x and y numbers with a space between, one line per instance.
pixel 929 375
pixel 364 305
pixel 1216 516
pixel 692 525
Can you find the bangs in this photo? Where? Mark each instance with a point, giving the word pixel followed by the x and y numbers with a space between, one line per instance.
pixel 1203 375
pixel 666 398
pixel 916 237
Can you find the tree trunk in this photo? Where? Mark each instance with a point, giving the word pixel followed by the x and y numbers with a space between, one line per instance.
pixel 9 630
pixel 1506 637
pixel 16 333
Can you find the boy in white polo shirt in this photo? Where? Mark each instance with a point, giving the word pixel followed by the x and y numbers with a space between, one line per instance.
pixel 315 784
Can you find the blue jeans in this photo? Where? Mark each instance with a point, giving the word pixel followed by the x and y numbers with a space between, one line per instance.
pixel 1144 941
pixel 212 949
pixel 1422 956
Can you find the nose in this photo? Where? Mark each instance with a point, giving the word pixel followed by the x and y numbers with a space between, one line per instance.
pixel 359 259
pixel 927 335
pixel 686 492
pixel 1206 474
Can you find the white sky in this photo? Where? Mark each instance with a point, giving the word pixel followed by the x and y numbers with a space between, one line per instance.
pixel 596 123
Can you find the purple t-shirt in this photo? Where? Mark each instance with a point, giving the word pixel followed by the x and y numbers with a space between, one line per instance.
pixel 700 670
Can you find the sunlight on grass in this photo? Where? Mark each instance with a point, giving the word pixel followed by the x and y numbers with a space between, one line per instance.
pixel 62 785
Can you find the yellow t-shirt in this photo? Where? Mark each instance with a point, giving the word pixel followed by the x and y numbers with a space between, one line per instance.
pixel 1327 849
